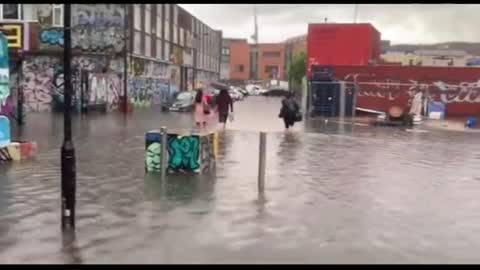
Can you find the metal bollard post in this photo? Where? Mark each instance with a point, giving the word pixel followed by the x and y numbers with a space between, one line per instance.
pixel 261 162
pixel 163 152
pixel 342 100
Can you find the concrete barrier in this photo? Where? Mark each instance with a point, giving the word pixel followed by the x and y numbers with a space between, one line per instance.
pixel 186 152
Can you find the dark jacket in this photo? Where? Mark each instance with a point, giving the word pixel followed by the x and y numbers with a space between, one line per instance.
pixel 289 108
pixel 223 102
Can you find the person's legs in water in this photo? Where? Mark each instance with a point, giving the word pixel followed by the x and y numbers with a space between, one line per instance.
pixel 288 123
pixel 222 118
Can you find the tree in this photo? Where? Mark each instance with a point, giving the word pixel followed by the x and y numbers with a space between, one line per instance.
pixel 296 68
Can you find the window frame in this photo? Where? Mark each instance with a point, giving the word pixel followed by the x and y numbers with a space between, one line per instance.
pixel 62 12
pixel 148 44
pixel 19 11
pixel 148 19
pixel 159 23
pixel 137 43
pixel 271 54
pixel 137 17
pixel 158 48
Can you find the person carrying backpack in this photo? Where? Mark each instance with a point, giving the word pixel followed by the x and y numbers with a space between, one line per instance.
pixel 290 111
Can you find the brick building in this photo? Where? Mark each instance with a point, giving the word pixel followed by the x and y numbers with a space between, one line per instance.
pixel 172 50
pixel 271 61
pixel 235 60
pixel 237 65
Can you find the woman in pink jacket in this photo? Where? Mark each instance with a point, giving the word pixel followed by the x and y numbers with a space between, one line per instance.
pixel 202 109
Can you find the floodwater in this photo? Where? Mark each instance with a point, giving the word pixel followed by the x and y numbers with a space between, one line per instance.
pixel 335 193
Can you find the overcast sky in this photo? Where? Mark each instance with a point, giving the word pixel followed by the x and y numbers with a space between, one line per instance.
pixel 400 23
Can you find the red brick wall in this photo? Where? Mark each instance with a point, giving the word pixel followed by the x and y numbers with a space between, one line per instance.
pixel 271 61
pixel 239 55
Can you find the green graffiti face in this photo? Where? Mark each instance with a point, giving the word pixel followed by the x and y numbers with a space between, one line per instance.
pixel 152 159
pixel 184 152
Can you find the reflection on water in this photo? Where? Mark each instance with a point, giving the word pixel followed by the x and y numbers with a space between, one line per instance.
pixel 337 193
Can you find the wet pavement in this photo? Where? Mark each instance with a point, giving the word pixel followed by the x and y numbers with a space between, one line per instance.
pixel 334 194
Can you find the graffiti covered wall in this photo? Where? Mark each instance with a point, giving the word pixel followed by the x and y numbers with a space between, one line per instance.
pixel 104 88
pixel 204 78
pixel 458 87
pixel 149 83
pixel 190 153
pixel 98 27
pixel 42 82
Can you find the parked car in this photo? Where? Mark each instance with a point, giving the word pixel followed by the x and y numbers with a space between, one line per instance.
pixel 276 93
pixel 235 94
pixel 184 102
pixel 243 91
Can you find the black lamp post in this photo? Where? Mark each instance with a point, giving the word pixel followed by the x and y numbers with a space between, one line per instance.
pixel 68 149
pixel 125 62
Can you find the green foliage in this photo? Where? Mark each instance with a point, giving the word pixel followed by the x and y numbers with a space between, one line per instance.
pixel 297 68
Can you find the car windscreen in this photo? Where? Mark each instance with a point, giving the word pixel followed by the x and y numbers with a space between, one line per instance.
pixel 184 96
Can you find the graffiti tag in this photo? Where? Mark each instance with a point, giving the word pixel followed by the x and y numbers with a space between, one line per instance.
pixel 465 92
pixel 52 37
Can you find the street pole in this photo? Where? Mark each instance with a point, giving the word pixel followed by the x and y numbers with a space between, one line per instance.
pixel 68 149
pixel 261 162
pixel 125 62
pixel 290 58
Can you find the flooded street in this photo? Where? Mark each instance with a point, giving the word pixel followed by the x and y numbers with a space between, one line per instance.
pixel 334 194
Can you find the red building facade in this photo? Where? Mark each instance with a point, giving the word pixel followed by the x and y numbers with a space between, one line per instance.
pixel 342 44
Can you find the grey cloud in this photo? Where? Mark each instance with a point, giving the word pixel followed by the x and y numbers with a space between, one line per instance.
pixel 402 23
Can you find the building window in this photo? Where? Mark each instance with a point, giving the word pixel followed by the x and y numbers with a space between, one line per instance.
pixel 148 19
pixel 11 11
pixel 136 43
pixel 166 23
pixel 175 34
pixel 271 71
pixel 166 7
pixel 182 36
pixel 159 20
pixel 188 39
pixel 225 51
pixel 175 14
pixel 57 15
pixel 137 24
pixel 148 45
pixel 271 54
pixel 166 51
pixel 158 51
pixel 239 68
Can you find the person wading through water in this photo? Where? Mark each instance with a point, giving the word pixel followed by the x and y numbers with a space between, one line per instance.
pixel 202 109
pixel 290 111
pixel 223 102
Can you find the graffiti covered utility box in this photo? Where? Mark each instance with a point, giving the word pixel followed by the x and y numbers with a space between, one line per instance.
pixel 18 151
pixel 187 153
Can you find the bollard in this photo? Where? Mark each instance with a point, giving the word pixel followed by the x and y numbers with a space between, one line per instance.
pixel 343 89
pixel 163 152
pixel 261 162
